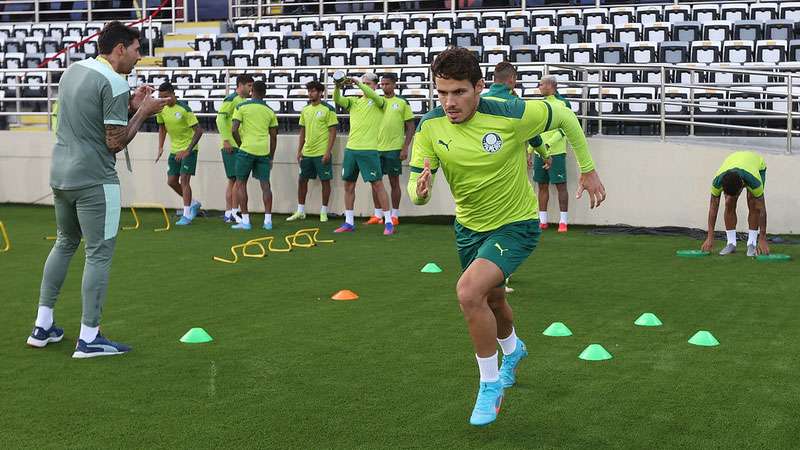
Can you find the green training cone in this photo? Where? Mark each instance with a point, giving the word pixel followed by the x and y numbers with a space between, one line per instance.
pixel 595 352
pixel 648 320
pixel 431 268
pixel 704 338
pixel 692 253
pixel 196 336
pixel 557 329
pixel 773 257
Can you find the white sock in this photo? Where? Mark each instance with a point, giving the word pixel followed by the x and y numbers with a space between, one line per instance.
pixel 731 236
pixel 246 218
pixel 378 212
pixel 563 217
pixel 387 216
pixel 187 210
pixel 235 210
pixel 752 237
pixel 348 217
pixel 324 209
pixel 228 213
pixel 88 334
pixel 44 318
pixel 543 216
pixel 301 208
pixel 395 212
pixel 267 218
pixel 488 368
pixel 509 344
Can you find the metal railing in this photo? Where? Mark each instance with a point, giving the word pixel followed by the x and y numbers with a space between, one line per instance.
pixel 89 10
pixel 600 101
pixel 258 9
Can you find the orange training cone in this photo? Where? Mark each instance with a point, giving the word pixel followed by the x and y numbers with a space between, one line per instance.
pixel 345 295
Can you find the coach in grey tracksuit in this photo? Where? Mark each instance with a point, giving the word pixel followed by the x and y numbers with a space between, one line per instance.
pixel 94 100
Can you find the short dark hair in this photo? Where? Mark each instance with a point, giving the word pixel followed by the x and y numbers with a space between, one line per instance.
pixel 243 79
pixel 259 88
pixel 457 63
pixel 390 76
pixel 116 33
pixel 505 70
pixel 732 183
pixel 315 85
pixel 166 87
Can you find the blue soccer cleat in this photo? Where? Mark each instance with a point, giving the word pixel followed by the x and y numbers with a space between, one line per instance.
pixel 184 221
pixel 508 369
pixel 242 226
pixel 40 337
pixel 267 226
pixel 194 209
pixel 100 346
pixel 487 405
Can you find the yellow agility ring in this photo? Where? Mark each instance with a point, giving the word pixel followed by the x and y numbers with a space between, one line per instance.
pixel 260 251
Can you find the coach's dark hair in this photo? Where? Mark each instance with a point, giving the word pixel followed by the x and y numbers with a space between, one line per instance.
pixel 166 87
pixel 115 33
pixel 505 70
pixel 732 183
pixel 259 88
pixel 315 85
pixel 457 63
pixel 243 79
pixel 390 76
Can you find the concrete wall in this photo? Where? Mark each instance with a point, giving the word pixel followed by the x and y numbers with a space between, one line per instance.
pixel 649 183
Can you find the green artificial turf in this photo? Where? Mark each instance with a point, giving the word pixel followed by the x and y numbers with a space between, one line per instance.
pixel 289 368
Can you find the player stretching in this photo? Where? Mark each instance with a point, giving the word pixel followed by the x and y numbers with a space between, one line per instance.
pixel 361 153
pixel 317 135
pixel 95 100
pixel 396 132
pixel 740 170
pixel 244 85
pixel 255 130
pixel 480 146
pixel 178 120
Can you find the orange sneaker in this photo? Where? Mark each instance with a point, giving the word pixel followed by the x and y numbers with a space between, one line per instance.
pixel 395 221
pixel 562 228
pixel 374 220
pixel 543 226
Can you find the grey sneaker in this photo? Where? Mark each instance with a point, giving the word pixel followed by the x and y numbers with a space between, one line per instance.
pixel 751 250
pixel 730 248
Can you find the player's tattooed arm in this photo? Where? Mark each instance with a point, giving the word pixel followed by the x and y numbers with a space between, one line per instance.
pixel 119 136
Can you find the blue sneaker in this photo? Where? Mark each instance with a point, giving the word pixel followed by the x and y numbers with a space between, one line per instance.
pixel 195 208
pixel 267 226
pixel 508 369
pixel 242 226
pixel 183 221
pixel 229 219
pixel 40 337
pixel 100 346
pixel 487 405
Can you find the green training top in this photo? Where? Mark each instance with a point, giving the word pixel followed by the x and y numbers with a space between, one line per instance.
pixel 179 120
pixel 365 114
pixel 483 159
pixel 90 96
pixel 225 117
pixel 317 120
pixel 392 132
pixel 499 91
pixel 554 140
pixel 748 165
pixel 256 119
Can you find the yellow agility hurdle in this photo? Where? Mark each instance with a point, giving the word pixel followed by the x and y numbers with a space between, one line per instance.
pixel 314 232
pixel 263 251
pixel 291 242
pixel 235 256
pixel 6 243
pixel 137 223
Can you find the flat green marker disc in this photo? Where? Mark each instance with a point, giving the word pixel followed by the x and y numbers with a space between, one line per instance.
pixel 692 253
pixel 773 257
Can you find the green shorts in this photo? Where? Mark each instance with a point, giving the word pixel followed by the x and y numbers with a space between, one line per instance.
pixel 556 174
pixel 367 162
pixel 311 167
pixel 507 247
pixel 246 163
pixel 229 161
pixel 390 163
pixel 185 166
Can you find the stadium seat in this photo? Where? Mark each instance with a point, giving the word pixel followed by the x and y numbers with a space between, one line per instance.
pixel 364 39
pixel 747 97
pixel 748 30
pixel 733 12
pixel 276 99
pixel 516 36
pixel 337 57
pixel 529 76
pixel 308 24
pixel 56 62
pixel 476 50
pixel 413 78
pixel 34 84
pixel 208 42
pixel 33 60
pixel 706 51
pixel 207 79
pixel 397 23
pixel 518 19
pixel 490 37
pixel 763 11
pixel 218 58
pixel 493 20
pixel 339 39
pixel 605 105
pixel 284 26
pixel 179 61
pixel 543 18
pixel 705 13
pixel 40 30
pixel 724 77
pixel 439 37
pixel 639 102
pixel 245 26
pixel 574 95
pixel 32 44
pixel 265 57
pixel 465 37
pixel 568 17
pixel 468 21
pixel 415 55
pixel 329 24
pixel 196 99
pixel 374 23
pixel 737 51
pixel 544 35
pixel 629 32
pixel 599 34
pixel 271 40
pixel 612 53
pixel 595 16
pixel 790 11
pixel 414 38
pixel 673 111
pixel 183 79
pixel 57 31
pixel 389 39
pixel 389 56
pixel 779 30
pixel 621 16
pixel 496 54
pixel 771 51
pixel 293 39
pixel 303 76
pixel 677 13
pixel 77 30
pixel 421 22
pixel 553 53
pixel 242 57
pixel 624 75
pixel 759 80
pixel 794 50
pixel 363 56
pixel 524 53
pixel 296 101
pixel 687 31
pixel 642 52
pixel 648 15
pixel 281 79
pixel 417 100
pixel 316 40
pixel 717 30
pixel 227 42
pixel 570 34
pixel 690 73
pixel 443 21
pixel 13 45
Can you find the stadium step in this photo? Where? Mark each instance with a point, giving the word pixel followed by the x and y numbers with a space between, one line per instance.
pixel 150 61
pixel 195 28
pixel 182 42
pixel 31 119
pixel 17 127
